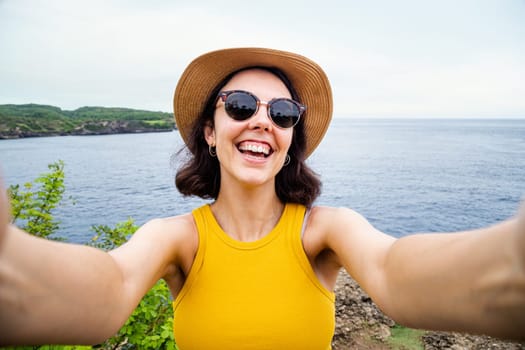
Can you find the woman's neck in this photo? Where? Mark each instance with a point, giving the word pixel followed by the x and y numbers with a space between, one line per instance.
pixel 247 216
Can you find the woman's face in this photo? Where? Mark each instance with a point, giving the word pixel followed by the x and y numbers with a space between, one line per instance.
pixel 251 151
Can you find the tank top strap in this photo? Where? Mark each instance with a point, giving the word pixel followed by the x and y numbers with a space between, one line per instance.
pixel 294 217
pixel 298 216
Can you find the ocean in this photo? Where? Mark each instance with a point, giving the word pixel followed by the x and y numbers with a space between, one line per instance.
pixel 404 175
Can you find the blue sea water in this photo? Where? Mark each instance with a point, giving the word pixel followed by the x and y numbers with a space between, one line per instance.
pixel 404 175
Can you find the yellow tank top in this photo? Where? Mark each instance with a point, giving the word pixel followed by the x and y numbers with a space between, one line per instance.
pixel 253 295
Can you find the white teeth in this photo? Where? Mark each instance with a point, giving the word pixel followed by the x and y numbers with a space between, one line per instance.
pixel 255 149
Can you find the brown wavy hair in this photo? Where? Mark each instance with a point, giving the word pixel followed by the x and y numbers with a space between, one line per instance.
pixel 199 175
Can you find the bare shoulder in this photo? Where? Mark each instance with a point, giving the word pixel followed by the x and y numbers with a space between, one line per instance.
pixel 349 235
pixel 344 223
pixel 174 227
pixel 327 221
pixel 332 212
pixel 161 245
pixel 176 232
pixel 326 225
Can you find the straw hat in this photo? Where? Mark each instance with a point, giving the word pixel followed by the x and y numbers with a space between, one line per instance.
pixel 205 72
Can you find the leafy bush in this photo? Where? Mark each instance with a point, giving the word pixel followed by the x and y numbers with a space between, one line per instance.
pixel 150 326
pixel 108 238
pixel 32 205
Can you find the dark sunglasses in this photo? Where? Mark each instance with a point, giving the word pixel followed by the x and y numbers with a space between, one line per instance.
pixel 241 105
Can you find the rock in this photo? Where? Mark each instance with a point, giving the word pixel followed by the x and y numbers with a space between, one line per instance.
pixel 361 325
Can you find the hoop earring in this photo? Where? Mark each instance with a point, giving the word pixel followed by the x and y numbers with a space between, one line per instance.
pixel 212 151
pixel 287 160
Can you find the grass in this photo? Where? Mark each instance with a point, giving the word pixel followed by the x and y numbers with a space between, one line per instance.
pixel 405 338
pixel 158 123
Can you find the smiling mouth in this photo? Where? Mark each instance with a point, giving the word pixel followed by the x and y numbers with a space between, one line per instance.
pixel 255 149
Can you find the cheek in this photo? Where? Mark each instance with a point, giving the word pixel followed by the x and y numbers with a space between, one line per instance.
pixel 285 140
pixel 223 123
pixel 229 128
pixel 224 132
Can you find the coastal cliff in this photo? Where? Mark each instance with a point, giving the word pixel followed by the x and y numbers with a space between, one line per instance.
pixel 33 120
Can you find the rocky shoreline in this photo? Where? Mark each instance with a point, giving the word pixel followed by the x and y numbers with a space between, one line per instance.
pixel 86 129
pixel 361 325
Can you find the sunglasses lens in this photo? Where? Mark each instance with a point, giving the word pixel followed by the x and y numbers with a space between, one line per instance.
pixel 284 113
pixel 240 105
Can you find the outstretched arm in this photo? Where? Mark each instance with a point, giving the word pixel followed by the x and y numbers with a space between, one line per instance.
pixel 469 281
pixel 58 293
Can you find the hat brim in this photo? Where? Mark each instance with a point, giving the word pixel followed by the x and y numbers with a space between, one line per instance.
pixel 205 72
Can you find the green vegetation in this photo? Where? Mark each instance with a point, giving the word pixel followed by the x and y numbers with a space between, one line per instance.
pixel 405 338
pixel 150 326
pixel 30 120
pixel 32 205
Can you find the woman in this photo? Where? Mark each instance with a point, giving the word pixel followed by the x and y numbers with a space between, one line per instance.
pixel 256 268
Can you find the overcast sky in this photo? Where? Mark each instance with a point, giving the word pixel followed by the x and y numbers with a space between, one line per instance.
pixel 449 58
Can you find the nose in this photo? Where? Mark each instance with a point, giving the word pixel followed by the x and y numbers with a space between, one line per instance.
pixel 261 119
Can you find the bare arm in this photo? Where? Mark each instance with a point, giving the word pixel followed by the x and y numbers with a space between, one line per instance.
pixel 470 281
pixel 52 292
pixel 57 293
